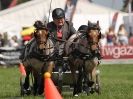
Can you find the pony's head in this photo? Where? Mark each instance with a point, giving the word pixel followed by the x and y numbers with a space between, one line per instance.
pixel 41 34
pixel 93 34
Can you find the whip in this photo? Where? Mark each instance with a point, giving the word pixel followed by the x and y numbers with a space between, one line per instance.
pixel 49 10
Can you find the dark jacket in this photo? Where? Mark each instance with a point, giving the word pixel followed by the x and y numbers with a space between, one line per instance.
pixel 68 30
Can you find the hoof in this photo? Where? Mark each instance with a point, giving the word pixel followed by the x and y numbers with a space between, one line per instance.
pixel 76 95
pixel 25 91
pixel 98 89
pixel 92 90
pixel 28 91
pixel 89 91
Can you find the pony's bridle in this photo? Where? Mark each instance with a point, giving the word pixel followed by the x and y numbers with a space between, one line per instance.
pixel 95 52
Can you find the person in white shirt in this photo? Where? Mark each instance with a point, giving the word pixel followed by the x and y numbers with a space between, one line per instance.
pixel 70 9
pixel 122 35
pixel 13 42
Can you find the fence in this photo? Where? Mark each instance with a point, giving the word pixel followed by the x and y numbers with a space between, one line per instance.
pixel 9 56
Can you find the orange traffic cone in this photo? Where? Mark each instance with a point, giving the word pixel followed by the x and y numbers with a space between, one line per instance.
pixel 22 69
pixel 50 90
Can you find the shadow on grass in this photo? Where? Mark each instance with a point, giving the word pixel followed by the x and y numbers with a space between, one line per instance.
pixel 11 97
pixel 22 97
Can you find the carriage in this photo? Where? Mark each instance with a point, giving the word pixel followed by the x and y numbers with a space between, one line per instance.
pixel 64 69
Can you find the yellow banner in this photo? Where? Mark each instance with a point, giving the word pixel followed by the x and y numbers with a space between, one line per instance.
pixel 28 31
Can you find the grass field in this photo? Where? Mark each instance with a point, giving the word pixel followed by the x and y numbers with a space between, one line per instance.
pixel 116 80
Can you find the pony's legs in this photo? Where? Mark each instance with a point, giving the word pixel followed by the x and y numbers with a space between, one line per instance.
pixel 40 84
pixel 77 80
pixel 88 70
pixel 26 83
pixel 50 67
pixel 95 74
pixel 73 72
pixel 75 91
pixel 35 84
pixel 94 71
pixel 91 66
pixel 80 79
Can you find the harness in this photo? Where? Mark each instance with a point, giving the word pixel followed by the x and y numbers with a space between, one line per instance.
pixel 32 51
pixel 82 49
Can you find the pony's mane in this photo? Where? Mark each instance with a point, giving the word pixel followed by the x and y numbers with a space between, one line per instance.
pixel 39 25
pixel 93 26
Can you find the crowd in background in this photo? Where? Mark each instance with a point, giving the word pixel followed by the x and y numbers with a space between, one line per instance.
pixel 12 42
pixel 110 38
pixel 121 38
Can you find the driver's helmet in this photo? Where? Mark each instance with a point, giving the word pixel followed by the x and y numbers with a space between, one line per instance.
pixel 58 13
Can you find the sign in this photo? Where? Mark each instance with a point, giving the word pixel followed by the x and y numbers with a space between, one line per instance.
pixel 117 52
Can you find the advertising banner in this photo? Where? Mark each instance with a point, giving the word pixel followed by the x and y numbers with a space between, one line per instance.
pixel 117 54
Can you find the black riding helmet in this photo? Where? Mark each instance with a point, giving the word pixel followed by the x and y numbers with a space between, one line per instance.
pixel 83 28
pixel 58 13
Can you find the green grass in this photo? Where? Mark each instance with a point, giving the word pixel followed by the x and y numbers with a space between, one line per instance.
pixel 116 83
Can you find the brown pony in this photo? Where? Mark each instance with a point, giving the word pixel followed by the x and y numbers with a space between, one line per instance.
pixel 84 56
pixel 39 50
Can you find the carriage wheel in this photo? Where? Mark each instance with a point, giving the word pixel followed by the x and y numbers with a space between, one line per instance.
pixel 97 86
pixel 60 74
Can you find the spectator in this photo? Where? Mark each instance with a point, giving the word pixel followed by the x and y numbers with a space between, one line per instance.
pixel 131 40
pixel 5 37
pixel 59 28
pixel 115 41
pixel 14 42
pixel 122 35
pixel 103 40
pixel 90 0
pixel 70 9
pixel 1 40
pixel 111 37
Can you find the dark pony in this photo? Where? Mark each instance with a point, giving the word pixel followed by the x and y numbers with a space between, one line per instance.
pixel 36 58
pixel 84 56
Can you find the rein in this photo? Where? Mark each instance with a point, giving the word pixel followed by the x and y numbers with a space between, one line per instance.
pixel 66 41
pixel 45 44
pixel 48 48
pixel 73 42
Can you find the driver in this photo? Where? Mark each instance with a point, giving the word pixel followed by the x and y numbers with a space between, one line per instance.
pixel 60 29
